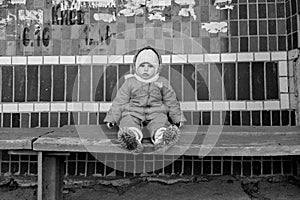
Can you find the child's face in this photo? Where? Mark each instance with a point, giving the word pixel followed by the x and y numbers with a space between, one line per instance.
pixel 146 71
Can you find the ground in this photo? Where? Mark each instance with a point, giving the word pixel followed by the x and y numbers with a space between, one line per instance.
pixel 222 188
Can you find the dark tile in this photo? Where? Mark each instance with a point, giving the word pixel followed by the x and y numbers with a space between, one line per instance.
pixel 267 167
pixel 258 81
pixel 120 169
pixel 271 10
pixel 72 86
pixel 275 118
pixel 253 27
pixel 215 81
pixel 234 45
pixel 19 84
pixel 33 168
pixel 158 167
pixel 80 168
pixel 233 28
pixel 293 118
pixel 217 167
pixel 53 119
pixel 7 120
pixel 176 29
pixel 45 83
pixel 253 44
pixel 206 118
pixel 266 118
pixel 226 167
pixel 14 167
pixel 226 117
pixel 246 118
pixel 44 118
pixel 237 168
pixel 286 167
pixel 197 168
pixel 204 13
pixel 224 45
pixel 244 46
pixel 272 43
pixel 101 117
pixel 295 40
pixel 272 80
pixel 236 118
pixel 256 118
pixel 196 118
pixel 93 118
pixel 176 80
pixel 100 168
pixel 252 11
pixel 256 168
pixel 63 119
pixel 243 11
pixel 216 118
pixel 294 6
pixel 111 82
pixel 288 25
pixel 71 168
pixel 262 11
pixel 263 43
pixel 202 82
pixel 262 27
pixel 123 70
pixel 32 83
pixel 195 29
pixel 7 83
pixel 24 168
pixel 85 83
pixel 272 27
pixel 168 169
pixel 4 167
pixel 98 83
pixel 282 43
pixel 234 13
pixel 246 168
pixel 277 167
pixel 34 120
pixel 207 167
pixel 189 82
pixel 90 168
pixel 280 10
pixel 58 82
pixel 24 120
pixel 16 120
pixel 243 81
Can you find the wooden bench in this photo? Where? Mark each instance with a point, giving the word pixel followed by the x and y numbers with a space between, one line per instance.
pixel 50 144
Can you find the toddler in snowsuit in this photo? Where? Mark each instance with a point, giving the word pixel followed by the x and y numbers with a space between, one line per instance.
pixel 146 99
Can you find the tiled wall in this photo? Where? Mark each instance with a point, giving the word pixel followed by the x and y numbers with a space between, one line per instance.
pixel 292 20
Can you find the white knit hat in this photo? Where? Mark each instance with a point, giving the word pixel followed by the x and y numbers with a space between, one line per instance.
pixel 147 56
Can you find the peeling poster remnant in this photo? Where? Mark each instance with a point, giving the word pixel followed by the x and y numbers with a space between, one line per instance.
pixel 67 12
pixel 103 11
pixel 131 7
pixel 18 1
pixel 7 26
pixel 31 17
pixel 187 8
pixel 223 4
pixel 215 27
pixel 157 9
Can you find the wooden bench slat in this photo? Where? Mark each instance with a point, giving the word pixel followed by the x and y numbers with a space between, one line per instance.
pixel 195 140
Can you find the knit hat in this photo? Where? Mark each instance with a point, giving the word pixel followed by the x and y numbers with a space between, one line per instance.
pixel 147 56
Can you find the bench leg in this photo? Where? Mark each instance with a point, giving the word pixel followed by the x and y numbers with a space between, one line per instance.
pixel 50 177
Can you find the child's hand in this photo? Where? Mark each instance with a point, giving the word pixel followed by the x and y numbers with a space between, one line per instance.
pixel 179 124
pixel 110 124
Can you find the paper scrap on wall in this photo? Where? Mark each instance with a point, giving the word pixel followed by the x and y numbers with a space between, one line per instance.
pixel 131 7
pixel 156 9
pixel 223 4
pixel 187 8
pixel 30 17
pixel 18 1
pixel 215 27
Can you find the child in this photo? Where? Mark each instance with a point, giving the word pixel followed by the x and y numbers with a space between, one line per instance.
pixel 146 99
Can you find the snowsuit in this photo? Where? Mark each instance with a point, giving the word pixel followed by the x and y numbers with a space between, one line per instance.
pixel 138 102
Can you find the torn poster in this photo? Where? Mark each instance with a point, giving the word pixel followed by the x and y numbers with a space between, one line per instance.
pixel 98 3
pixel 18 1
pixel 106 17
pixel 157 9
pixel 131 7
pixel 215 27
pixel 31 17
pixel 104 11
pixel 187 8
pixel 223 4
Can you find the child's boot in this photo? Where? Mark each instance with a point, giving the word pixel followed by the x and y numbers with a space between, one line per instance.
pixel 164 138
pixel 130 139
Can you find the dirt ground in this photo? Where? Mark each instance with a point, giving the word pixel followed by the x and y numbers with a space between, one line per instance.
pixel 219 188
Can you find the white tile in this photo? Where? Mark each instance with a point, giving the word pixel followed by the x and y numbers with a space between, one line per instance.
pixel 228 57
pixel 166 59
pixel 254 105
pixel 283 84
pixel 25 107
pixel 291 67
pixel 19 60
pixel 279 56
pixel 35 60
pixel 5 60
pixel 293 54
pixel 204 105
pixel 57 107
pixel 91 107
pixel 245 57
pixel 99 59
pixel 74 106
pixel 104 107
pixel 83 59
pixel 68 60
pixel 284 101
pixel 10 108
pixel 179 58
pixel 211 57
pixel 114 59
pixel 220 105
pixel 283 68
pixel 271 105
pixel 237 105
pixel 1 108
pixel 188 105
pixel 262 56
pixel 40 107
pixel 128 58
pixel 51 60
pixel 195 58
pixel 293 100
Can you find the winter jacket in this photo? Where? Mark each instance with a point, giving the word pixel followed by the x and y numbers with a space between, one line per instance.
pixel 143 100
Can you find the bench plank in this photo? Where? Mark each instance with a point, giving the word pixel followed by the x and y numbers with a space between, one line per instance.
pixel 195 140
pixel 20 138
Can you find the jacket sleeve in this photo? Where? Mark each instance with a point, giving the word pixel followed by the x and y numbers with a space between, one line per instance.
pixel 170 100
pixel 122 98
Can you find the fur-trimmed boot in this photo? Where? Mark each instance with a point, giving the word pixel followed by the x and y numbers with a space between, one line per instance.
pixel 130 139
pixel 169 137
